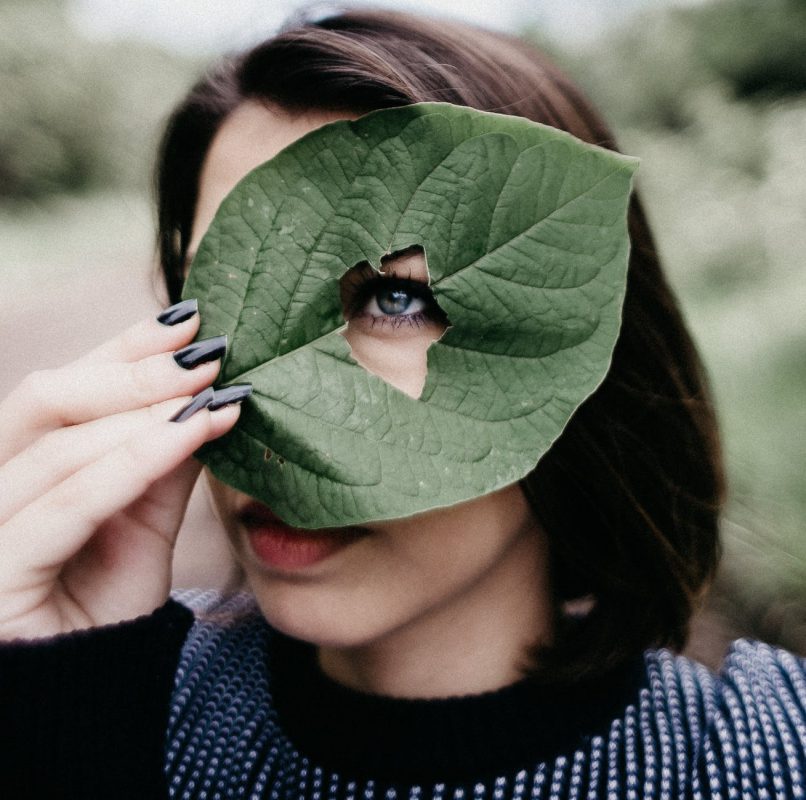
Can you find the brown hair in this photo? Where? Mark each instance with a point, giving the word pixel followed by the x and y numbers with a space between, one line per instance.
pixel 629 495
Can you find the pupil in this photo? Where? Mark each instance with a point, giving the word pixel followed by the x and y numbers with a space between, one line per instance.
pixel 393 301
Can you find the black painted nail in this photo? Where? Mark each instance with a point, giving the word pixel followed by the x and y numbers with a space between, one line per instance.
pixel 201 352
pixel 178 312
pixel 236 393
pixel 197 403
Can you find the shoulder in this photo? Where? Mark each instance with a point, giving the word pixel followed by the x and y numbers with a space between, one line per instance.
pixel 762 702
pixel 762 675
pixel 759 724
pixel 746 724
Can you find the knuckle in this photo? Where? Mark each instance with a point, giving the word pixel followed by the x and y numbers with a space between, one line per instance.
pixel 35 385
pixel 38 393
pixel 126 340
pixel 129 340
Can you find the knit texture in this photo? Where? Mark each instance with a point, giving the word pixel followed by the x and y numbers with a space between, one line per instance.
pixel 685 734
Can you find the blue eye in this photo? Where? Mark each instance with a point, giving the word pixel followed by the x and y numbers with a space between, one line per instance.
pixel 393 301
pixel 379 300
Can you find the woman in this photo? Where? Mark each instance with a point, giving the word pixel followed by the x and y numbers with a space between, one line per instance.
pixel 499 647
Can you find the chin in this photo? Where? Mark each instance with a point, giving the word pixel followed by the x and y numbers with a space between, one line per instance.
pixel 314 615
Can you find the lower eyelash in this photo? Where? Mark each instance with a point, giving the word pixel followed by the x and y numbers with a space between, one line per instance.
pixel 416 320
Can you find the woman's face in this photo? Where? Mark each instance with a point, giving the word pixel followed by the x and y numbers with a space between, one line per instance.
pixel 476 569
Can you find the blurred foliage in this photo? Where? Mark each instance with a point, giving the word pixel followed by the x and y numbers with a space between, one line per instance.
pixel 75 114
pixel 713 100
pixel 758 46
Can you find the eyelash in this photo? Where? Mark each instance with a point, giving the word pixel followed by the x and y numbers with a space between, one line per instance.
pixel 365 284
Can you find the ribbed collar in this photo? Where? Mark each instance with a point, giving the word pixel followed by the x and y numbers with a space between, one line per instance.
pixel 457 739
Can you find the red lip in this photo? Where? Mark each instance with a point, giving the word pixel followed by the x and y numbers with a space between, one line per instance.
pixel 286 548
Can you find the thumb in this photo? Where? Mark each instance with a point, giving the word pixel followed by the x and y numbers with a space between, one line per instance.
pixel 162 507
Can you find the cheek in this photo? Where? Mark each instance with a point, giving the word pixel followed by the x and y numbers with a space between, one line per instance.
pixel 406 572
pixel 383 585
pixel 376 588
pixel 399 357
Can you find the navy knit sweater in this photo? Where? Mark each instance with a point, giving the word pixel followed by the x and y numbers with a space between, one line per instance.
pixel 249 714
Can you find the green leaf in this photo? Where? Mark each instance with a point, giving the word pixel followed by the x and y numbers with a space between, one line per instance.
pixel 524 229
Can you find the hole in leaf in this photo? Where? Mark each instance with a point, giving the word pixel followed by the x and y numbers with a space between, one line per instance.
pixel 392 318
pixel 267 454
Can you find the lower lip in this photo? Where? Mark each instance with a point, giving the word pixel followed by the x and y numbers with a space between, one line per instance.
pixel 282 547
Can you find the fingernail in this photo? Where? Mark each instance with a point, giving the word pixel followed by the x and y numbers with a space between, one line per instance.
pixel 197 403
pixel 201 352
pixel 178 312
pixel 236 393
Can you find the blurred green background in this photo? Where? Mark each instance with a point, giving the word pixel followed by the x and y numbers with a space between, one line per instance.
pixel 712 97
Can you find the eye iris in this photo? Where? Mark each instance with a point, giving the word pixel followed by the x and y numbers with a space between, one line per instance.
pixel 393 301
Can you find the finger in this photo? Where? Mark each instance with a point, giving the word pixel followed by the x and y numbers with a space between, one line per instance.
pixel 54 527
pixel 36 395
pixel 81 392
pixel 58 454
pixel 145 338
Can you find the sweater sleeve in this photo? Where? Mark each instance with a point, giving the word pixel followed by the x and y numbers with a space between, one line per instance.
pixel 85 714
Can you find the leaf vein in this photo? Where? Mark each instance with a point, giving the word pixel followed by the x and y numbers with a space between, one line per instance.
pixel 531 228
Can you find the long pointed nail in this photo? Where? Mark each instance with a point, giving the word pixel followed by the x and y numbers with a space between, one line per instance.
pixel 178 312
pixel 197 403
pixel 201 352
pixel 236 393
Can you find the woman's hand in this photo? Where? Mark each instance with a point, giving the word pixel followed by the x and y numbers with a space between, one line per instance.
pixel 95 478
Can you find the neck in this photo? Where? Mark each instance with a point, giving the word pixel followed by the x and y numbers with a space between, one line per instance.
pixel 475 642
